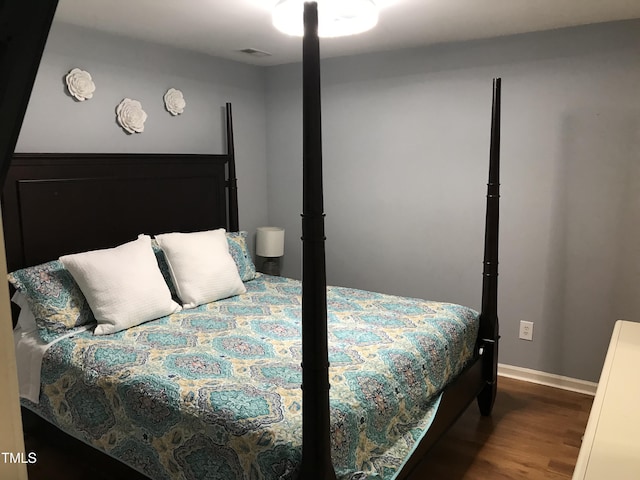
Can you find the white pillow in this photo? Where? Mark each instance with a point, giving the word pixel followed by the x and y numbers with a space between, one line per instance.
pixel 123 285
pixel 201 266
pixel 26 318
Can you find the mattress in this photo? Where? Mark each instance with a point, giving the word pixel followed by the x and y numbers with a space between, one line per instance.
pixel 214 392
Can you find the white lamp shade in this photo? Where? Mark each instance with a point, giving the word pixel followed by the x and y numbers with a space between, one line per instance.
pixel 336 18
pixel 270 242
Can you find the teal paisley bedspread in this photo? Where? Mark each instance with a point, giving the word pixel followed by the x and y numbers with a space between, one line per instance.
pixel 214 392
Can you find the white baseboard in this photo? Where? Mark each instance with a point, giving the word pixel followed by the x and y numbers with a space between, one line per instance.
pixel 548 379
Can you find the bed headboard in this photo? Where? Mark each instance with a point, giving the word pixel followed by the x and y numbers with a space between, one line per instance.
pixel 54 204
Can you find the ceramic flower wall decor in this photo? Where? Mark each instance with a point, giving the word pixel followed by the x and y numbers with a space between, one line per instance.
pixel 131 116
pixel 174 101
pixel 80 84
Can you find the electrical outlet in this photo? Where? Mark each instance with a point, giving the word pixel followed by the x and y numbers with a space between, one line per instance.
pixel 526 330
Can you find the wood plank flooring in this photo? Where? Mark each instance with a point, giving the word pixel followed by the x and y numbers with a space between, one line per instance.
pixel 534 433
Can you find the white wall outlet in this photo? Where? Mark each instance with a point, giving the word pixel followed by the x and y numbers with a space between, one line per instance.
pixel 526 330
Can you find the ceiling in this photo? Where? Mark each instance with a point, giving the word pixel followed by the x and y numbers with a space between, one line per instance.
pixel 224 27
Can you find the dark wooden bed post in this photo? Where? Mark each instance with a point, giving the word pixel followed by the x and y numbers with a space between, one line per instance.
pixel 489 332
pixel 316 442
pixel 232 182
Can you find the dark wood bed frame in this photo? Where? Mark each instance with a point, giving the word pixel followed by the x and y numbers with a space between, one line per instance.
pixel 55 204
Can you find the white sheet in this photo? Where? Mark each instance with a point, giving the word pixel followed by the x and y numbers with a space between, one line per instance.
pixel 30 350
pixel 26 319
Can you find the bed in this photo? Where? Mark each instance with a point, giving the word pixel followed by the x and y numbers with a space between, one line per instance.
pixel 214 391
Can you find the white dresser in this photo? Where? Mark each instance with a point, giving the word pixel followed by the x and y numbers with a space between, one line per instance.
pixel 611 446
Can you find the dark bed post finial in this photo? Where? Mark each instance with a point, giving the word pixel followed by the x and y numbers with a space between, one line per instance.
pixel 233 181
pixel 489 316
pixel 316 443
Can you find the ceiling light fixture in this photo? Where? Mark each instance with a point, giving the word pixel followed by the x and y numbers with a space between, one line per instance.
pixel 336 18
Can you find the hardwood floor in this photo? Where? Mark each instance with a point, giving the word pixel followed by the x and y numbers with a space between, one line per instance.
pixel 534 433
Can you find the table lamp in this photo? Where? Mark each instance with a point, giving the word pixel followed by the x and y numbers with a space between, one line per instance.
pixel 270 246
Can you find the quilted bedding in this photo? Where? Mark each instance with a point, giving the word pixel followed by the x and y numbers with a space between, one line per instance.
pixel 214 392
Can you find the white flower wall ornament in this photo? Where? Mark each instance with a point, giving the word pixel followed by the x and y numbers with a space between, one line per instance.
pixel 174 101
pixel 80 85
pixel 131 116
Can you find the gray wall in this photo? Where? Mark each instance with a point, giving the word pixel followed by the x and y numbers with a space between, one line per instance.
pixel 120 67
pixel 406 137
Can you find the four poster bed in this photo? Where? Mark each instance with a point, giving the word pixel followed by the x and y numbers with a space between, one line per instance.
pixel 213 391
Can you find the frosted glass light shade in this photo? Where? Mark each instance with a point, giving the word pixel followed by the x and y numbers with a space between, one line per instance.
pixel 336 18
pixel 270 242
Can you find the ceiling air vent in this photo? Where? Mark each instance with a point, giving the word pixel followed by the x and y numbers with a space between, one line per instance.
pixel 254 52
